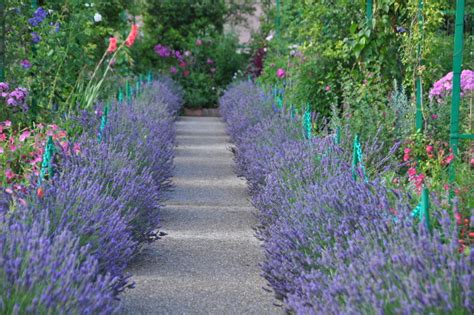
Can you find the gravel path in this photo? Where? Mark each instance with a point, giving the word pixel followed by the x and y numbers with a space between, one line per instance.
pixel 208 262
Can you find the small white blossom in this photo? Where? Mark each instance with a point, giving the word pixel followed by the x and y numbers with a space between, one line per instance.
pixel 270 36
pixel 97 17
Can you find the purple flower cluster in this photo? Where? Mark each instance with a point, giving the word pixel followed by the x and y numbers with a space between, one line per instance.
pixel 67 249
pixel 25 63
pixel 15 98
pixel 35 38
pixel 48 273
pixel 163 51
pixel 444 86
pixel 335 245
pixel 38 17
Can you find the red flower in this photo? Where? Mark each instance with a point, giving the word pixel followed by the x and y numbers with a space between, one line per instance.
pixel 112 45
pixel 449 159
pixel 186 73
pixel 132 36
pixel 40 192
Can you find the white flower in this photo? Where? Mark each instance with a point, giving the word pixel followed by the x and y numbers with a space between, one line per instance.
pixel 270 36
pixel 97 17
pixel 87 4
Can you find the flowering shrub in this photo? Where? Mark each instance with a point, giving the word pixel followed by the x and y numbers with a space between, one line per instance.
pixel 21 152
pixel 335 245
pixel 13 99
pixel 203 67
pixel 444 86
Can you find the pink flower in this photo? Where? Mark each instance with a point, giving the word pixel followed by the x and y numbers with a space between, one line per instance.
pixel 429 149
pixel 210 61
pixel 281 73
pixel 186 73
pixel 198 42
pixel 9 174
pixel 76 148
pixel 182 64
pixel 407 150
pixel 449 159
pixel 446 187
pixel 434 116
pixel 53 127
pixel 3 137
pixel 24 135
pixel 1 150
pixel 472 162
pixel 327 88
pixel 411 171
pixel 64 145
pixel 173 70
pixel 7 123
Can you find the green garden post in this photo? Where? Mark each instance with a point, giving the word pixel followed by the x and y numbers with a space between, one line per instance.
pixel 103 122
pixel 120 95
pixel 418 82
pixel 47 163
pixel 355 157
pixel 277 19
pixel 369 12
pixel 128 91
pixel 149 77
pixel 2 41
pixel 456 94
pixel 338 135
pixel 425 207
pixel 138 87
pixel 422 210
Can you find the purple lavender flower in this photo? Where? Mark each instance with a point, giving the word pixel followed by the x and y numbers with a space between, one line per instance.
pixel 163 51
pixel 26 64
pixel 35 38
pixel 4 87
pixel 38 17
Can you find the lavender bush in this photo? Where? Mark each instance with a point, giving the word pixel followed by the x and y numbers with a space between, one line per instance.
pixel 335 245
pixel 89 220
pixel 50 274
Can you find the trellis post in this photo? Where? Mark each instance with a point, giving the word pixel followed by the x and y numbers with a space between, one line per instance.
pixel 2 41
pixel 456 91
pixel 369 12
pixel 277 19
pixel 418 82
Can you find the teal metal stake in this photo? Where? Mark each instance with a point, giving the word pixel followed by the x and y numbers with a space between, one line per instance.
pixel 418 82
pixel 47 163
pixel 456 93
pixel 103 122
pixel 277 19
pixel 422 210
pixel 338 135
pixel 2 41
pixel 357 159
pixel 369 12
pixel 120 95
